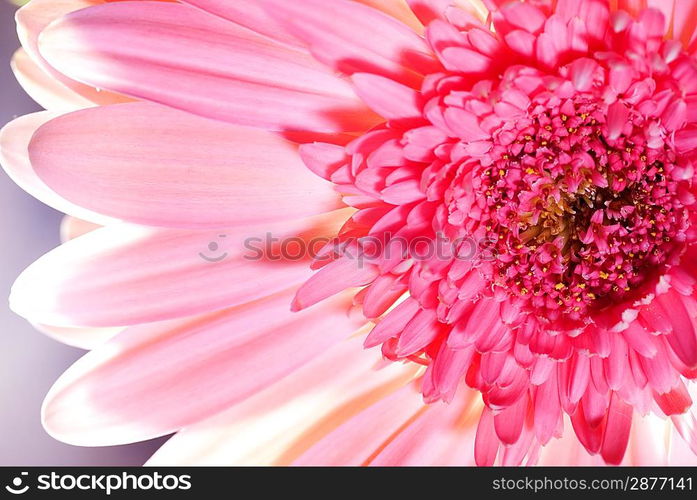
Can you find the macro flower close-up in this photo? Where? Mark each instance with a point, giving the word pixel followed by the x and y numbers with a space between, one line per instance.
pixel 366 232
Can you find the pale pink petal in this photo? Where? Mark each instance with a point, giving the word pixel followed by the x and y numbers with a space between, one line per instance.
pixel 154 379
pixel 167 50
pixel 442 435
pixel 32 19
pixel 276 425
pixel 14 156
pixel 356 441
pixel 163 167
pixel 124 275
pixel 82 338
pixel 72 227
pixel 43 88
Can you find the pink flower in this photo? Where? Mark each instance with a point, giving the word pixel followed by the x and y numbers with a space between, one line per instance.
pixel 507 188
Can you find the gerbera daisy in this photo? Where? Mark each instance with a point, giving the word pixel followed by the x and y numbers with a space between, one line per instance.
pixel 506 188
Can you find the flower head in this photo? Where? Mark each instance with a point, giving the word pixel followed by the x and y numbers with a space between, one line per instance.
pixel 521 188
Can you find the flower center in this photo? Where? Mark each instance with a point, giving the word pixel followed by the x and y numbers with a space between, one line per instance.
pixel 581 212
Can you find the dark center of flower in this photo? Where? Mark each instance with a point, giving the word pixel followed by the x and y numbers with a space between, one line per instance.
pixel 581 214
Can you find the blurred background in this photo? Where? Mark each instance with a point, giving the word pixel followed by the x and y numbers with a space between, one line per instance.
pixel 29 361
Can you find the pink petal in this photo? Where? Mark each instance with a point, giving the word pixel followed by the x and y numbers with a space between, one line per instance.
pixel 524 16
pixel 486 444
pixel 435 437
pixel 617 116
pixel 123 275
pixel 619 422
pixel 674 402
pixel 509 422
pixel 140 384
pixel 250 14
pixel 351 38
pixel 346 272
pixel 280 422
pixel 521 41
pixel 464 124
pixel 547 409
pixel 357 440
pixel 393 323
pixel 82 338
pixel 386 97
pixel 682 338
pixel 166 168
pixel 50 93
pixel 418 333
pixel 32 19
pixel 14 156
pixel 173 49
pixel 322 158
pixel 582 71
pixel 72 227
pixel 686 140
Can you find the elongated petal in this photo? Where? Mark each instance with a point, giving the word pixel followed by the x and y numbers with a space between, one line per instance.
pixel 346 272
pixel 14 156
pixel 354 442
pixel 169 53
pixel 351 38
pixel 155 379
pixel 32 19
pixel 163 167
pixel 43 88
pixel 124 275
pixel 276 425
pixel 388 98
pixel 82 338
pixel 251 14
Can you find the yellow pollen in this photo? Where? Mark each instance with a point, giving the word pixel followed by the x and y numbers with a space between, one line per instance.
pixel 604 275
pixel 560 286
